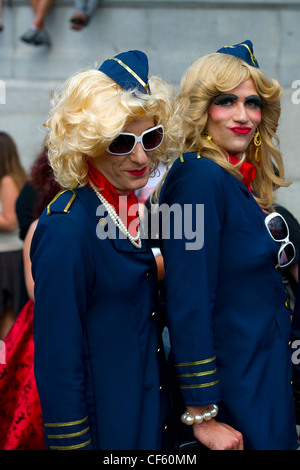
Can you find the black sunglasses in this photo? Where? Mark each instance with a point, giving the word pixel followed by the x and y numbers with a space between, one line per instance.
pixel 279 231
pixel 126 142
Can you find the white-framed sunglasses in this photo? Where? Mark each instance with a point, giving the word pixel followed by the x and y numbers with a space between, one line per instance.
pixel 279 231
pixel 125 142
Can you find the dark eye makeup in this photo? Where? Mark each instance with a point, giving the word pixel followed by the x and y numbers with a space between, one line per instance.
pixel 254 101
pixel 226 99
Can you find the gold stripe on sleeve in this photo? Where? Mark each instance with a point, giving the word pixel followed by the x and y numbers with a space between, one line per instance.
pixel 209 384
pixel 70 423
pixel 73 434
pixel 78 446
pixel 198 374
pixel 205 361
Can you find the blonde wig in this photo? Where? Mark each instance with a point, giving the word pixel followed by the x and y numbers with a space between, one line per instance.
pixel 90 111
pixel 207 78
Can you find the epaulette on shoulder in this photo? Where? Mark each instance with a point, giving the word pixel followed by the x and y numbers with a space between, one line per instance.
pixel 184 157
pixel 62 202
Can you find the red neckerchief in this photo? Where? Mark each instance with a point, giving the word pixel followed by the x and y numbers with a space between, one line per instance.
pixel 121 204
pixel 246 169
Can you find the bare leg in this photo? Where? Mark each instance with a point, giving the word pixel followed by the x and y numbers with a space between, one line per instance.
pixel 40 9
pixel 1 25
pixel 83 13
pixel 37 34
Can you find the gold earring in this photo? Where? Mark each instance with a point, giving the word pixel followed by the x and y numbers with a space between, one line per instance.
pixel 257 144
pixel 206 136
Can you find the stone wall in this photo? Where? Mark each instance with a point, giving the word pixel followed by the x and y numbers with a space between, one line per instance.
pixel 173 34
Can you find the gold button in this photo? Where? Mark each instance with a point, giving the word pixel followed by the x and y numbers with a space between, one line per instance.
pixel 166 427
pixel 102 222
pixel 153 314
pixel 287 303
pixel 160 388
pixel 147 276
pixel 158 350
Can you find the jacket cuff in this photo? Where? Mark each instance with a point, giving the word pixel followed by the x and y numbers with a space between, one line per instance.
pixel 70 435
pixel 198 381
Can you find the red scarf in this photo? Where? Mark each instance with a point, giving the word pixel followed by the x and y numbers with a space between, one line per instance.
pixel 121 204
pixel 246 169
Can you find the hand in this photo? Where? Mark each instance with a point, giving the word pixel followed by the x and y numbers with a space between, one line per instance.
pixel 218 436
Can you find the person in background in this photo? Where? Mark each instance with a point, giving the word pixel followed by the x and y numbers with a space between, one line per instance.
pixel 1 23
pixel 33 198
pixel 100 366
pixel 12 179
pixel 226 306
pixel 84 10
pixel 37 34
pixel 21 423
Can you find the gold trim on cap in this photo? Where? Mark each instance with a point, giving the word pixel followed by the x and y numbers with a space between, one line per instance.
pixel 250 52
pixel 135 75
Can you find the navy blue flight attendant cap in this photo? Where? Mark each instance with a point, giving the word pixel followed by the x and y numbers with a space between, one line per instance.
pixel 128 69
pixel 244 51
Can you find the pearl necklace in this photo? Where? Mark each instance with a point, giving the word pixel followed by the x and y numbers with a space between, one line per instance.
pixel 136 241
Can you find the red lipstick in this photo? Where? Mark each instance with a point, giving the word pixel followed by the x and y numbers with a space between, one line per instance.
pixel 241 129
pixel 138 173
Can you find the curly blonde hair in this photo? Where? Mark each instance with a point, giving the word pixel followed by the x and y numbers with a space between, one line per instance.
pixel 90 111
pixel 218 73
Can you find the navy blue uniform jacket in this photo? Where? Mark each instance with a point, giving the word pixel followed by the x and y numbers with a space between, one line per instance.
pixel 229 326
pixel 98 353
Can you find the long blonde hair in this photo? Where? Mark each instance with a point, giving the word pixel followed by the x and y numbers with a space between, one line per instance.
pixel 204 80
pixel 10 163
pixel 90 111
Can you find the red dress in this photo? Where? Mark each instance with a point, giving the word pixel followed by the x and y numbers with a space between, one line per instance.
pixel 21 425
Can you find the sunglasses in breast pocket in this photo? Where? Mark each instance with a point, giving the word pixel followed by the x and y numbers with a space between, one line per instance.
pixel 279 231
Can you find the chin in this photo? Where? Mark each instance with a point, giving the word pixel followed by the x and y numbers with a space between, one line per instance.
pixel 237 151
pixel 141 182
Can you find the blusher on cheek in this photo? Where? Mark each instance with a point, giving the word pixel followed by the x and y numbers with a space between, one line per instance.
pixel 256 117
pixel 216 113
pixel 217 118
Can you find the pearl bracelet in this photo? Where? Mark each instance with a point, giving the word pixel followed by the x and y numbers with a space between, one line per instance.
pixel 208 414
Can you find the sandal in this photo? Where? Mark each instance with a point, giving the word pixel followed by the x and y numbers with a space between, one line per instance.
pixel 79 21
